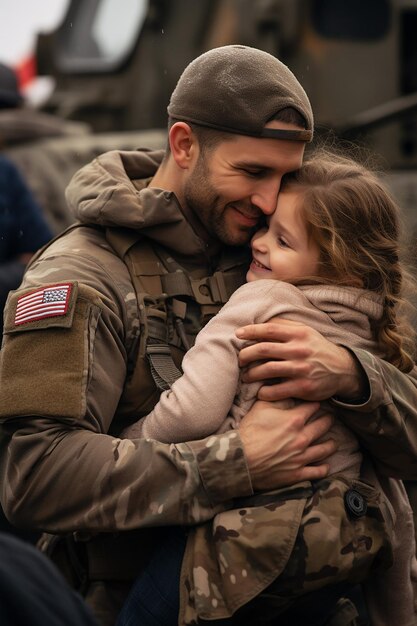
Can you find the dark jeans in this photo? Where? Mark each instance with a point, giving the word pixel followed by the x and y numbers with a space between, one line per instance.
pixel 154 597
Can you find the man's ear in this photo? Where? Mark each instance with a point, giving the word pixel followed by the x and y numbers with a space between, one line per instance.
pixel 183 143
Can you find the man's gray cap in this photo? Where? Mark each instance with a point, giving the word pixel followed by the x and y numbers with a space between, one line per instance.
pixel 239 89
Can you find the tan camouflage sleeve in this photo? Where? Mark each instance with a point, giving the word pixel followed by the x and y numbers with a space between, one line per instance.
pixel 62 479
pixel 386 422
pixel 61 377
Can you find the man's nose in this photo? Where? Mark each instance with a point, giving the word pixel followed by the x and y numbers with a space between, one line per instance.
pixel 265 197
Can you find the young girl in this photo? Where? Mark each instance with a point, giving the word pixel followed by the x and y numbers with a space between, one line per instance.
pixel 328 258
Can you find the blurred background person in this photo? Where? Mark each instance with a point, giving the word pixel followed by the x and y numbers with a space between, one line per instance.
pixel 23 228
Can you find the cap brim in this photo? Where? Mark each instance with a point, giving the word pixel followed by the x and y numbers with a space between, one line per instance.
pixel 289 135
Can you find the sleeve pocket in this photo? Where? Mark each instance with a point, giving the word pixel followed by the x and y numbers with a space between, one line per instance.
pixel 45 363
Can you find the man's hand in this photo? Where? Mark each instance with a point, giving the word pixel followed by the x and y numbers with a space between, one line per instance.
pixel 279 444
pixel 307 365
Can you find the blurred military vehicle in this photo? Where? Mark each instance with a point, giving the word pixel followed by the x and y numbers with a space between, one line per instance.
pixel 115 65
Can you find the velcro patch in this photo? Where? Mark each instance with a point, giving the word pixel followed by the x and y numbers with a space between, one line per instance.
pixel 45 363
pixel 51 301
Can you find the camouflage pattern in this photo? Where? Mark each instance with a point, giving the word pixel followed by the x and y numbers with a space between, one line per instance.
pixel 281 545
pixel 385 422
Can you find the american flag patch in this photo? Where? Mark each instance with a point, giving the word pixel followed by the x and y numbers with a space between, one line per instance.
pixel 46 302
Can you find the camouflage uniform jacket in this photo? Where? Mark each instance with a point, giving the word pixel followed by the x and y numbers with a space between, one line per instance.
pixel 62 379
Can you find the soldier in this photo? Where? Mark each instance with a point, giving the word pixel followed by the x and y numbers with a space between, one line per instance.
pixel 106 311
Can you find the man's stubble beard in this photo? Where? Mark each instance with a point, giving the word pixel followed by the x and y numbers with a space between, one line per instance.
pixel 205 203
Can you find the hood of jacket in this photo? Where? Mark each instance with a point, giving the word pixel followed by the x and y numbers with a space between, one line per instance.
pixel 113 191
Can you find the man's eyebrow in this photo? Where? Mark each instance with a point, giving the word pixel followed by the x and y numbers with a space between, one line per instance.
pixel 252 164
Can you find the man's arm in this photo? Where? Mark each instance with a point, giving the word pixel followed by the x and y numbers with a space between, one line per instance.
pixel 375 399
pixel 386 421
pixel 61 379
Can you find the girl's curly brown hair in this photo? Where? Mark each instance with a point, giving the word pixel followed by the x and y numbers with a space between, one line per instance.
pixel 356 224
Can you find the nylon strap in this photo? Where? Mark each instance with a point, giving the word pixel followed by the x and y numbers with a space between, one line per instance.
pixel 164 371
pixel 156 276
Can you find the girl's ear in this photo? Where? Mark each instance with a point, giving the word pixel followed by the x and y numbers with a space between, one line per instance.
pixel 183 144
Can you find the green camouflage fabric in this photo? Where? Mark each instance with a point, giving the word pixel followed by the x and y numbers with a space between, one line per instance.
pixel 280 545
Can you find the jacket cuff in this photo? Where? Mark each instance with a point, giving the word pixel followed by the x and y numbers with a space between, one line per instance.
pixel 376 394
pixel 222 466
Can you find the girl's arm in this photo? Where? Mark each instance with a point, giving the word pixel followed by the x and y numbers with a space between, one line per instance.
pixel 199 401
